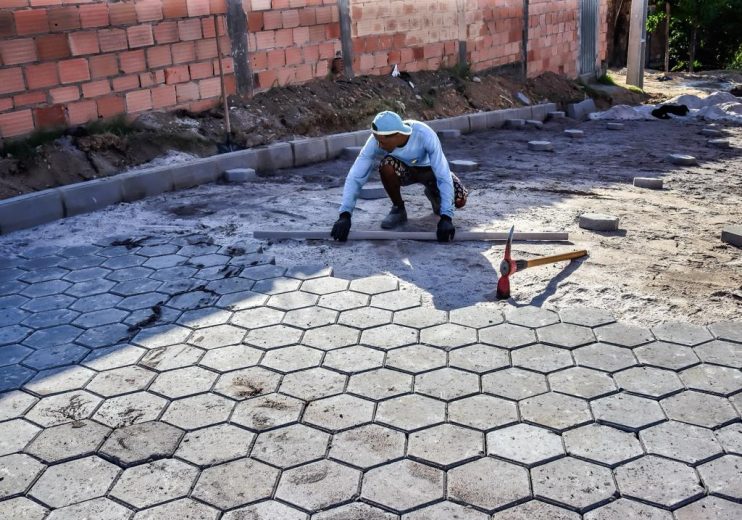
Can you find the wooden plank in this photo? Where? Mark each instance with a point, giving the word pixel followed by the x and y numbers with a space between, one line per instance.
pixel 411 235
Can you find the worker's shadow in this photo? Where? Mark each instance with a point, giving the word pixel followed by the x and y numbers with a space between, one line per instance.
pixel 551 287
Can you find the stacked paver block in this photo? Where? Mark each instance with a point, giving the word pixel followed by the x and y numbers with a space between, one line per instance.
pixel 156 375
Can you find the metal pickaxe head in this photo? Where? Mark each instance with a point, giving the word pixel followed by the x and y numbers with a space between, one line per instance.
pixel 507 267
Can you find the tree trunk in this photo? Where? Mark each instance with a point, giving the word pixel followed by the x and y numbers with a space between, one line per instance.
pixel 692 50
pixel 667 37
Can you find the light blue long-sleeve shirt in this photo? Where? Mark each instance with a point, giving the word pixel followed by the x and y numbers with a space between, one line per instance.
pixel 422 149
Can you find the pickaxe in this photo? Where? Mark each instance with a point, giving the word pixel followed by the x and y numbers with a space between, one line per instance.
pixel 508 266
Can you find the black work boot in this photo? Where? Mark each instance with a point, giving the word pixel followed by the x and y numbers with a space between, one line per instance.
pixel 396 217
pixel 434 197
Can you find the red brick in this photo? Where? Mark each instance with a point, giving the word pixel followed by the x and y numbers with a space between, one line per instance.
pixel 132 61
pixel 96 88
pixel 16 123
pixel 272 20
pixel 164 96
pixel 204 104
pixel 84 42
pixel 183 52
pixel 186 92
pixel 316 33
pixel 303 73
pixel 122 13
pixel 210 87
pixel 166 32
pixel 285 37
pixel 208 27
pixel 110 106
pixel 311 53
pixel 293 56
pixel 64 19
pixel 138 101
pixel 307 17
pixel 122 83
pixel 189 29
pixel 64 94
pixel 14 52
pixel 174 8
pixel 140 36
pixel 49 117
pixel 298 3
pixel 255 22
pixel 332 31
pixel 103 66
pixel 206 49
pixel 31 21
pixel 228 66
pixel 6 104
pixel 146 79
pixel 177 74
pixel 266 79
pixel 148 10
pixel 11 80
pixel 324 14
pixel 112 40
pixel 159 56
pixel 326 50
pixel 94 15
pixel 41 76
pixel 276 58
pixel 201 70
pixel 74 71
pixel 82 112
pixel 261 5
pixel 218 6
pixel 7 27
pixel 258 60
pixel 321 69
pixel 11 4
pixel 300 35
pixel 160 76
pixel 198 7
pixel 290 18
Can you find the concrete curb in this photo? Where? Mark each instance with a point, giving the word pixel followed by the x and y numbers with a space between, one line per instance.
pixel 38 208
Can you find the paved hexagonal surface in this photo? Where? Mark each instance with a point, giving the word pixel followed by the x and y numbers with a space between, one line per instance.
pixel 173 377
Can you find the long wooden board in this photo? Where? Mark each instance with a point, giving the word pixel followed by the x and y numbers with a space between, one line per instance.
pixel 412 235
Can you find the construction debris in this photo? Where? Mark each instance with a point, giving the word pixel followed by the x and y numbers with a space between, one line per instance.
pixel 598 222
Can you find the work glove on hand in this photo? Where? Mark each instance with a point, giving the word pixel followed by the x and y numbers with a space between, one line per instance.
pixel 342 227
pixel 446 231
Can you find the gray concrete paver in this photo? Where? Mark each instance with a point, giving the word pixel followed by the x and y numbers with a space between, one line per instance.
pixel 247 382
pixel 649 381
pixel 310 317
pixel 532 317
pixel 536 510
pixel 582 382
pixel 290 445
pixel 709 508
pixel 183 382
pixel 24 508
pixel 55 356
pixel 446 511
pixel 275 336
pixel 353 511
pixel 601 356
pixel 727 330
pixel 99 508
pixel 184 508
pixel 623 334
pixel 267 411
pixel 447 383
pixel 75 481
pixel 482 412
pixel 396 300
pixel 380 384
pixel 627 412
pixel 62 408
pixel 403 485
pixel 666 355
pixel 223 486
pixel 625 508
pixel 12 377
pixel 58 380
pixel 658 481
pixel 420 317
pixel 215 444
pixel 368 445
pixel 313 383
pixel 218 336
pixel 445 445
pixel 566 335
pixel 387 337
pixel 411 412
pixel 318 485
pixel 292 300
pixel 416 358
pixel 330 337
pixel 708 411
pixel 507 336
pixel 198 411
pixel 154 483
pixel 234 357
pixel 683 333
pixel 267 510
pixel 324 285
pixel 374 285
pixel 479 358
pixel 128 409
pixel 722 476
pixel 526 444
pixel 731 438
pixel 721 353
pixel 602 444
pixel 118 381
pixel 542 358
pixel 713 379
pixel 15 403
pixel 347 301
pixel 477 316
pixel 448 336
pixel 67 441
pixel 514 383
pixel 17 473
pixel 557 411
pixel 574 483
pixel 142 442
pixel 680 441
pixel 339 412
pixel 472 483
pixel 291 359
pixel 15 435
pixel 353 359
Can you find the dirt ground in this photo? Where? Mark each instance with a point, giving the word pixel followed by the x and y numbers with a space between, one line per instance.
pixel 666 263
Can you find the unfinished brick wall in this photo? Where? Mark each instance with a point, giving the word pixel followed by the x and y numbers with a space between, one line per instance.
pixel 553 37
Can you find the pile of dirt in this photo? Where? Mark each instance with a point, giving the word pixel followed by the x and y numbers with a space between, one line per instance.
pixel 317 108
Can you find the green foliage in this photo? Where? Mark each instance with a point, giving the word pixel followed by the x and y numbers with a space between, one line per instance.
pixel 25 148
pixel 118 125
pixel 736 63
pixel 606 79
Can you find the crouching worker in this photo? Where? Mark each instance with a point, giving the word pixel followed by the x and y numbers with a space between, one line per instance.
pixel 410 153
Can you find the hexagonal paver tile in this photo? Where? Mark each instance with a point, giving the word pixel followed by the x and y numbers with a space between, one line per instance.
pixel 257 317
pixel 709 508
pixel 45 338
pixel 263 272
pixel 17 472
pixel 728 330
pixel 276 285
pixel 380 384
pixel 291 359
pixel 448 336
pixel 267 411
pixel 231 358
pixel 173 356
pixel 121 381
pixel 325 285
pixel 130 409
pixel 648 381
pixel 224 486
pixel 22 508
pixel 402 486
pixel 318 485
pixel 14 404
pixel 267 510
pixel 477 316
pixel 556 411
pixel 310 318
pixel 273 337
pixel 479 358
pixel 411 412
pixel 602 356
pixel 367 446
pixel 565 335
pixel 658 481
pixel 154 483
pixel 542 358
pixel 339 412
pixel 420 317
pixel 680 441
pixel 15 435
pixel 483 412
pixel 139 443
pixel 535 509
pixel 573 482
pixel 215 444
pixel 524 443
pixel 57 380
pixel 416 358
pixel 700 409
pixel 162 336
pixel 247 382
pixel 312 384
pixel 586 316
pixel 721 353
pixel 472 484
pixel 514 383
pixel 12 377
pixel 445 511
pixel 532 317
pixel 625 508
pixel 602 444
pixel 623 334
pixel 374 284
pixel 713 379
pixel 354 510
pixel 96 508
pixel 446 445
pixel 242 300
pixel 183 382
pixel 67 441
pixel 331 337
pixel 354 359
pixel 666 355
pixel 722 476
pixel 582 382
pixel 51 357
pixel 627 412
pixel 183 508
pixel 292 300
pixel 447 383
pixel 62 408
pixel 204 317
pixel 198 411
pixel 507 336
pixel 346 301
pixel 388 337
pixel 290 446
pixel 682 333
pixel 731 438
pixel 396 300
pixel 74 481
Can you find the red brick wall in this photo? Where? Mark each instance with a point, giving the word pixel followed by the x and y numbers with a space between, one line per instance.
pixel 553 37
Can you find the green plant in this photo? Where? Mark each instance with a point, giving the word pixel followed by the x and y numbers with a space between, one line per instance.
pixel 460 70
pixel 736 63
pixel 634 88
pixel 25 148
pixel 118 125
pixel 606 79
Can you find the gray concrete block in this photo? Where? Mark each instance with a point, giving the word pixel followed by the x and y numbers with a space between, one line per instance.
pixel 718 143
pixel 274 157
pixel 309 151
pixel 30 210
pixel 351 152
pixel 582 109
pixel 540 146
pixel 146 183
pixel 598 222
pixel 85 197
pixel 478 121
pixel 614 126
pixel 458 166
pixel 460 123
pixel 496 118
pixel 682 159
pixel 711 132
pixel 440 124
pixel 337 143
pixel 372 191
pixel 240 175
pixel 732 235
pixel 648 182
pixel 195 173
pixel 557 114
pixel 361 136
pixel 533 123
pixel 449 134
pixel 239 159
pixel 571 132
pixel 515 123
pixel 541 112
